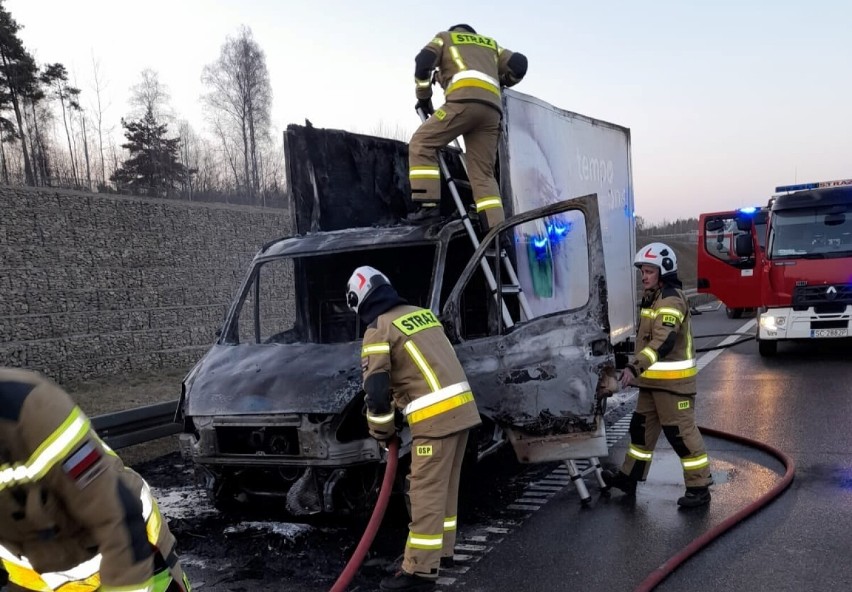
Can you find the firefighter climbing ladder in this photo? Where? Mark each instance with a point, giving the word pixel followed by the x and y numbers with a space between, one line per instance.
pixel 497 290
pixel 594 465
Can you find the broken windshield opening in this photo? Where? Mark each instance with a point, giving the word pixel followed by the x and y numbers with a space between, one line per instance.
pixel 812 232
pixel 270 312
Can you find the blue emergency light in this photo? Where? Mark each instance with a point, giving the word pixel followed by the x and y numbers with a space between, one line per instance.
pixel 554 233
pixel 820 185
pixel 540 243
pixel 557 231
pixel 748 211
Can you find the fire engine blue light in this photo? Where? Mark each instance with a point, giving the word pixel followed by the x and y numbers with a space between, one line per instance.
pixel 799 187
pixel 540 243
pixel 748 210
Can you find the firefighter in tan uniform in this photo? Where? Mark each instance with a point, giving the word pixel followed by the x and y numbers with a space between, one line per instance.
pixel 72 517
pixel 410 366
pixel 664 370
pixel 471 68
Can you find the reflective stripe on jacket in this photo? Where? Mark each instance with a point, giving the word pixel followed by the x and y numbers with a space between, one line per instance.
pixel 427 381
pixel 470 67
pixel 72 517
pixel 665 354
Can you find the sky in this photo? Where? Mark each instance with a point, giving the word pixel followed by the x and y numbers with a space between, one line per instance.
pixel 725 100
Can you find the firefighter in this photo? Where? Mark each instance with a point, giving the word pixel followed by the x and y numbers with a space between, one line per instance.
pixel 471 68
pixel 409 366
pixel 664 370
pixel 72 516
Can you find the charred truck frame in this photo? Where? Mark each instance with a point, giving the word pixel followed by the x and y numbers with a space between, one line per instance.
pixel 274 409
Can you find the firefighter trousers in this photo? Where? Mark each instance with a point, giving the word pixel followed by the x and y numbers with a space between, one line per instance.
pixel 674 415
pixel 433 490
pixel 479 125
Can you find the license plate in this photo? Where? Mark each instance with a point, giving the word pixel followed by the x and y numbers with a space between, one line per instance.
pixel 829 332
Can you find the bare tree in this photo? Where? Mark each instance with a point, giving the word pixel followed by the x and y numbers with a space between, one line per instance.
pixel 150 94
pixel 86 151
pixel 240 92
pixel 189 154
pixel 99 86
pixel 55 76
pixel 224 137
pixel 8 135
pixel 395 131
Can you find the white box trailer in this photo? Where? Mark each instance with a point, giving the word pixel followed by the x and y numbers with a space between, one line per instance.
pixel 552 155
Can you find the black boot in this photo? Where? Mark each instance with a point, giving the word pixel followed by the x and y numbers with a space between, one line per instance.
pixel 620 481
pixel 694 497
pixel 402 581
pixel 426 213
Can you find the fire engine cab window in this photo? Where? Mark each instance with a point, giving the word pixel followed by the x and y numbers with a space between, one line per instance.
pixel 720 239
pixel 812 232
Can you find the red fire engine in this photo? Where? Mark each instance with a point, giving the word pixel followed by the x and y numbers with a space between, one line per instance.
pixel 790 260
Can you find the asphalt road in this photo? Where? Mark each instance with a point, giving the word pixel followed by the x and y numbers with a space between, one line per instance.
pixel 523 528
pixel 799 402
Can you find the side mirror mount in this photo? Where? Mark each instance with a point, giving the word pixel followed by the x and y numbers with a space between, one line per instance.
pixel 744 246
pixel 743 223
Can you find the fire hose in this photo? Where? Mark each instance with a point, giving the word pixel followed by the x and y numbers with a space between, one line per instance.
pixel 659 574
pixel 744 337
pixel 663 571
pixel 357 558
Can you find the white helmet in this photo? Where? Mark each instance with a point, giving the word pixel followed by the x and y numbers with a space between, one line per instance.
pixel 363 281
pixel 659 255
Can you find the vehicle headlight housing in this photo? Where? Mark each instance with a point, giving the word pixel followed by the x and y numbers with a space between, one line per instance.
pixel 772 323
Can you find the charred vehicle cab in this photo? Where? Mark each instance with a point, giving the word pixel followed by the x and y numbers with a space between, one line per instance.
pixel 275 407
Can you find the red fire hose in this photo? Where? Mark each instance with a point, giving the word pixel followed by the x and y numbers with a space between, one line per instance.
pixel 659 574
pixel 654 578
pixel 357 558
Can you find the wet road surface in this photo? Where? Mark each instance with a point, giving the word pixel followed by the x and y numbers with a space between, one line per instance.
pixel 522 527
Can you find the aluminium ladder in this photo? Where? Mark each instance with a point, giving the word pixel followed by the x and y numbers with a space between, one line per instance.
pixel 497 291
pixel 574 472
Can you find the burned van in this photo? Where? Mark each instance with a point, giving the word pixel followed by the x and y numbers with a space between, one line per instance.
pixel 275 407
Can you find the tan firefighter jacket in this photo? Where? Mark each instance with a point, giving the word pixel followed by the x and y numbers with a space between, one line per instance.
pixel 427 381
pixel 69 509
pixel 665 355
pixel 470 67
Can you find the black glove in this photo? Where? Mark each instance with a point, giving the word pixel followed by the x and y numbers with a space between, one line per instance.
pixel 425 105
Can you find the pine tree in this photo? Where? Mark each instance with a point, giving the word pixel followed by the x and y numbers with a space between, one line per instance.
pixel 153 167
pixel 17 79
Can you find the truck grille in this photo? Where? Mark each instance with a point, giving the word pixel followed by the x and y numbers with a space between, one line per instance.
pixel 830 298
pixel 261 440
